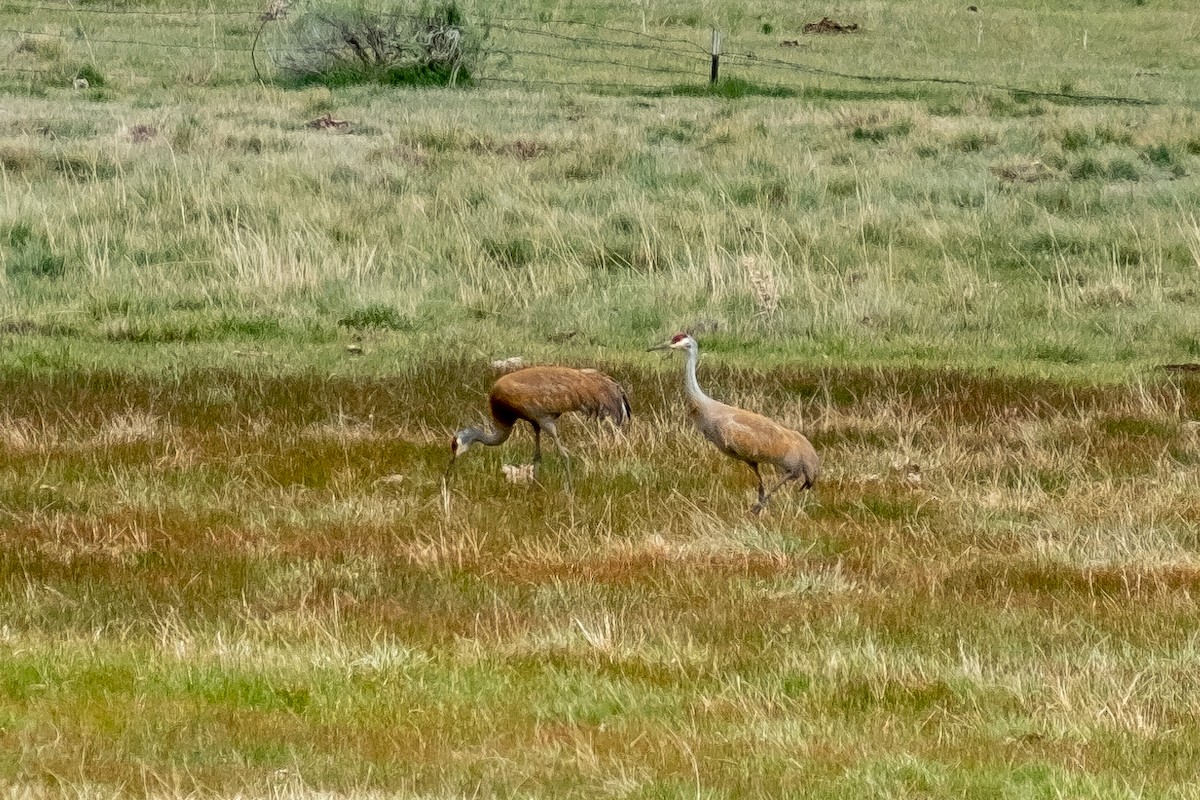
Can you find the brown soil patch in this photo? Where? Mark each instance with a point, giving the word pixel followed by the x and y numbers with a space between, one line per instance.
pixel 827 25
pixel 413 156
pixel 327 122
pixel 142 133
pixel 1023 171
pixel 521 149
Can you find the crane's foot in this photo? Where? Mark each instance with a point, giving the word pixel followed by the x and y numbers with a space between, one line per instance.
pixel 758 508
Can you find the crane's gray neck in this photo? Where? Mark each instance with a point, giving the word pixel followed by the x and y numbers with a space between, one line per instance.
pixel 470 436
pixel 690 384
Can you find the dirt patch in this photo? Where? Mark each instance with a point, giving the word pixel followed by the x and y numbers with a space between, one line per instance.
pixel 521 149
pixel 413 156
pixel 26 327
pixel 142 133
pixel 827 25
pixel 327 122
pixel 1023 171
pixel 525 149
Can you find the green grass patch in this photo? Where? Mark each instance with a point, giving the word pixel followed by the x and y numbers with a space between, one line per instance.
pixel 727 89
pixel 881 133
pixel 417 75
pixel 29 254
pixel 376 316
pixel 89 73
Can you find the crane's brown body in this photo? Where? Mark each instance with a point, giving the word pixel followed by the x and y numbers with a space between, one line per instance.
pixel 540 395
pixel 750 438
pixel 755 439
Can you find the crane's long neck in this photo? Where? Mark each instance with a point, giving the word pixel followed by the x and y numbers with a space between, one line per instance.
pixel 497 435
pixel 469 436
pixel 690 384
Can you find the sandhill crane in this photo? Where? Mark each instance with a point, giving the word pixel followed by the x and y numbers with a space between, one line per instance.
pixel 744 435
pixel 540 395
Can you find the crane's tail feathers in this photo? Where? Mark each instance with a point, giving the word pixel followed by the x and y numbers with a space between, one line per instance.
pixel 605 398
pixel 617 408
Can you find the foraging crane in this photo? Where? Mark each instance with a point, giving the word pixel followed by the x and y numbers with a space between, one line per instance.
pixel 744 435
pixel 540 395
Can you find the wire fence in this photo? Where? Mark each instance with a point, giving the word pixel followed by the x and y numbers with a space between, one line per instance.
pixel 528 51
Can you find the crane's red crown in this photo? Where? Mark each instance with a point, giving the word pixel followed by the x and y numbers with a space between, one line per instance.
pixel 679 337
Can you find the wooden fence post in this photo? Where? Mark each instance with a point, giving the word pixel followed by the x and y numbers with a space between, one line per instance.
pixel 716 57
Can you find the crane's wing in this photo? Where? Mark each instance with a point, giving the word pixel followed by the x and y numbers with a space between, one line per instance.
pixel 537 392
pixel 751 437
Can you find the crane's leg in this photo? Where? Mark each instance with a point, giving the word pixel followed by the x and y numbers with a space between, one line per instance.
pixel 762 497
pixel 537 447
pixel 552 429
pixel 782 481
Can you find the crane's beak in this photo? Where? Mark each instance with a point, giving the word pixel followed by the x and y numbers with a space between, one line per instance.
pixel 664 346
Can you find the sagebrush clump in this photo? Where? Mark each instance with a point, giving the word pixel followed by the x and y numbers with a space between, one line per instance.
pixel 337 45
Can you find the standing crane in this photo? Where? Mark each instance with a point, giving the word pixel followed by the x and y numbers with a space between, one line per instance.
pixel 750 438
pixel 540 395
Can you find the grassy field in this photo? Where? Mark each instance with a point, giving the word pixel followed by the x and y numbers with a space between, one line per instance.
pixel 226 565
pixel 863 222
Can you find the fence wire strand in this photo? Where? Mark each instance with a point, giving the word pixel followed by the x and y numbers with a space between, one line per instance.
pixel 579 60
pixel 602 27
pixel 750 59
pixel 85 38
pixel 594 42
pixel 122 12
